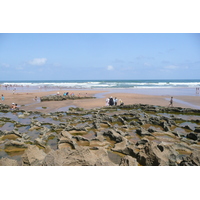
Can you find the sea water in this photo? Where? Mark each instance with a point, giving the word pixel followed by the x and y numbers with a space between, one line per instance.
pixel 153 87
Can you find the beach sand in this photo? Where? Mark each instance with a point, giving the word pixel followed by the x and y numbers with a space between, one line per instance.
pixel 26 100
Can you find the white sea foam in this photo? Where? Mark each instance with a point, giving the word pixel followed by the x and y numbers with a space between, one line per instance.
pixel 103 84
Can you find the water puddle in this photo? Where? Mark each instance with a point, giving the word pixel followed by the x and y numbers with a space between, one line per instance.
pixel 53 143
pixel 66 108
pixel 7 127
pixel 181 116
pixel 41 108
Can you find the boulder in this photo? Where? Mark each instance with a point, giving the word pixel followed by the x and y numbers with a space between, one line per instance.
pixel 192 136
pixel 153 154
pixel 113 135
pixel 33 156
pixel 82 156
pixel 192 160
pixel 120 146
pixel 128 161
pixel 142 132
pixel 8 162
pixel 18 144
pixel 197 130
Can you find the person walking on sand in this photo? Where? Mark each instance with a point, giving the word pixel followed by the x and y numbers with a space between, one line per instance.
pixel 2 97
pixel 171 102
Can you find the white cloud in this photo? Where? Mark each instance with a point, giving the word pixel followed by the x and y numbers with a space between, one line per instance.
pixel 19 68
pixel 147 64
pixel 110 67
pixel 38 61
pixel 171 67
pixel 5 65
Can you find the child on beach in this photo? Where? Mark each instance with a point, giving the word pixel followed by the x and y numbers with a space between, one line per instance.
pixel 2 97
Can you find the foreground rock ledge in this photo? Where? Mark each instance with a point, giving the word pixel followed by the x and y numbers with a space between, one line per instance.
pixel 130 135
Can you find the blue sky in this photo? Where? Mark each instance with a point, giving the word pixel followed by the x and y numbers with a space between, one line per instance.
pixel 73 56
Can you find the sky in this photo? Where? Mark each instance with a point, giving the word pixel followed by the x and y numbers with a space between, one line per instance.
pixel 94 56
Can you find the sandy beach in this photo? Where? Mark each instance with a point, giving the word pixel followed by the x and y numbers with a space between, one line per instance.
pixel 26 99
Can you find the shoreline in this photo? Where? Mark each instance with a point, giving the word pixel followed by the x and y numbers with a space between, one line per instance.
pixel 159 97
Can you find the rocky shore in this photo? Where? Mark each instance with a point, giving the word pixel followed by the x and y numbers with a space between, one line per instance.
pixel 62 98
pixel 131 135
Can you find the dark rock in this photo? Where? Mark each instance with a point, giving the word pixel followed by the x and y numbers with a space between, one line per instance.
pixel 192 136
pixel 188 127
pixel 133 123
pixel 4 106
pixel 197 130
pixel 120 119
pixel 142 142
pixel 113 135
pixel 80 138
pixel 143 132
pixel 192 160
pixel 62 98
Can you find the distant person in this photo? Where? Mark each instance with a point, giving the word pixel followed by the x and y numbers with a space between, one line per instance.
pixel 115 101
pixel 197 90
pixel 111 102
pixel 16 107
pixel 14 90
pixel 121 103
pixel 2 97
pixel 13 106
pixel 171 102
pixel 107 101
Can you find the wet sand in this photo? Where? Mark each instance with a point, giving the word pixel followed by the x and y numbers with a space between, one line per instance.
pixel 25 99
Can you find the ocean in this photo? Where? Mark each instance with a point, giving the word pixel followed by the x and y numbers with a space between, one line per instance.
pixel 153 87
pixel 104 84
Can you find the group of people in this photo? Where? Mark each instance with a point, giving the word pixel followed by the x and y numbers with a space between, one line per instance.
pixel 113 101
pixel 14 106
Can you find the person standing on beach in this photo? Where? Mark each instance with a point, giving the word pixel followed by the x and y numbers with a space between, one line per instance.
pixel 107 101
pixel 111 102
pixel 115 101
pixel 2 97
pixel 171 102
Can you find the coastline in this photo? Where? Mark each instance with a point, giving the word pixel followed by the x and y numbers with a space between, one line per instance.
pixel 183 97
